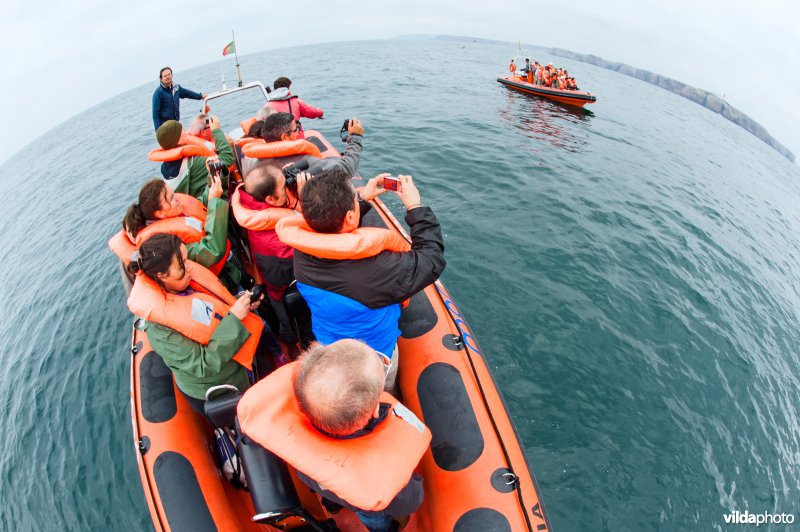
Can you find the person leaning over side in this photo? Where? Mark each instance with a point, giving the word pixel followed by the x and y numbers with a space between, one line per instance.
pixel 327 416
pixel 184 166
pixel 167 98
pixel 358 293
pixel 281 100
pixel 281 127
pixel 206 336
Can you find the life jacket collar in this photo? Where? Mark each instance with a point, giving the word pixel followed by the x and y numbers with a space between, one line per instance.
pixel 361 243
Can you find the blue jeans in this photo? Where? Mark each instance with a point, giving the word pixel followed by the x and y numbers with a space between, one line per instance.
pixel 376 521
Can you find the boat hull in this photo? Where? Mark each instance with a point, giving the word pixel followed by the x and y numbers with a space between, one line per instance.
pixel 575 98
pixel 475 473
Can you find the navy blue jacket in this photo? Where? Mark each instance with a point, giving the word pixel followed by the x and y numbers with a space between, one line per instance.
pixel 361 298
pixel 167 103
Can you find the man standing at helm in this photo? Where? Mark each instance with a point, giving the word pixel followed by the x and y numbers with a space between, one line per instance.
pixel 167 98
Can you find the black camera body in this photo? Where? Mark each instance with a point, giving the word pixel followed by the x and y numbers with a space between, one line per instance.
pixel 218 168
pixel 256 292
pixel 291 171
pixel 343 133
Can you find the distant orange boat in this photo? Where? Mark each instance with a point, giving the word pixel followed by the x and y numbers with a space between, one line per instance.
pixel 569 97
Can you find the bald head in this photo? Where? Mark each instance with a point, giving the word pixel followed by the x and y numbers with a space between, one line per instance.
pixel 338 386
pixel 262 181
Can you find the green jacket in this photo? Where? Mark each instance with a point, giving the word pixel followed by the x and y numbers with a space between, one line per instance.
pixel 196 182
pixel 211 249
pixel 197 367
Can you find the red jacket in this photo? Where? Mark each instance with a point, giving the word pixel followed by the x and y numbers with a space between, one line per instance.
pixel 294 106
pixel 273 258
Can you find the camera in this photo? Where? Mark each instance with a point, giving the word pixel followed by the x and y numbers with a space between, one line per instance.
pixel 256 292
pixel 218 168
pixel 291 171
pixel 343 133
pixel 391 183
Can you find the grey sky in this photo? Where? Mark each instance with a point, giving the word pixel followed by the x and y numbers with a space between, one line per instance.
pixel 63 57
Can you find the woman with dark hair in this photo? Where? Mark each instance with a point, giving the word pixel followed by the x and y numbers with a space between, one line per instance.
pixel 205 335
pixel 160 210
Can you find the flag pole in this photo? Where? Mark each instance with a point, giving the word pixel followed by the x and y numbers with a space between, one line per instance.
pixel 238 71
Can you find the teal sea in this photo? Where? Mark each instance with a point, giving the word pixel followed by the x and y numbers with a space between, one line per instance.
pixel 630 273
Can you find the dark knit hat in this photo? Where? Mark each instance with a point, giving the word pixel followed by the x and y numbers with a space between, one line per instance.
pixel 169 134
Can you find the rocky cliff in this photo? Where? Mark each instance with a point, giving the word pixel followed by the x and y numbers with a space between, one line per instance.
pixel 704 98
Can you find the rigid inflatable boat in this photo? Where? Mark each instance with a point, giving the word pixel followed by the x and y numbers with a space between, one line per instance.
pixel 476 475
pixel 569 97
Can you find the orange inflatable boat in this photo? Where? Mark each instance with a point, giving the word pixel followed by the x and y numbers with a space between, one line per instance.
pixel 476 475
pixel 568 97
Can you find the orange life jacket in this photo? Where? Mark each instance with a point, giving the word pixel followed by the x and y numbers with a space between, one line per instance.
pixel 244 141
pixel 263 220
pixel 122 247
pixel 188 227
pixel 361 243
pixel 280 148
pixel 530 75
pixel 175 154
pixel 512 67
pixel 197 315
pixel 367 471
pixel 247 124
pixel 546 77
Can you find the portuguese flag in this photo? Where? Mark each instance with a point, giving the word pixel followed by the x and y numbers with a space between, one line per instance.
pixel 231 48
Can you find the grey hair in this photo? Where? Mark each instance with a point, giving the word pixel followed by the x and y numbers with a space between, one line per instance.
pixel 264 112
pixel 335 388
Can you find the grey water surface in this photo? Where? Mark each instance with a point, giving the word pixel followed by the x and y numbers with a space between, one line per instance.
pixel 631 275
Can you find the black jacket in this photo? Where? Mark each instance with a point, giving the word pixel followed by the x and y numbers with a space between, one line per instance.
pixel 387 278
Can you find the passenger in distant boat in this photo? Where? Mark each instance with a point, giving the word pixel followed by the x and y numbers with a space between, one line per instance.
pixel 512 68
pixel 280 131
pixel 355 445
pixel 537 73
pixel 184 162
pixel 571 84
pixel 160 210
pixel 167 98
pixel 206 336
pixel 546 76
pixel 258 206
pixel 527 67
pixel 562 80
pixel 354 278
pixel 283 101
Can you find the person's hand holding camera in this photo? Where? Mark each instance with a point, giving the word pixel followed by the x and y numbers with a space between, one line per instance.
pixel 373 188
pixel 408 193
pixel 213 122
pixel 242 306
pixel 256 296
pixel 215 186
pixel 302 179
pixel 354 127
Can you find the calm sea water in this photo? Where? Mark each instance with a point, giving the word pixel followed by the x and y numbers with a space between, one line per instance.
pixel 630 274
